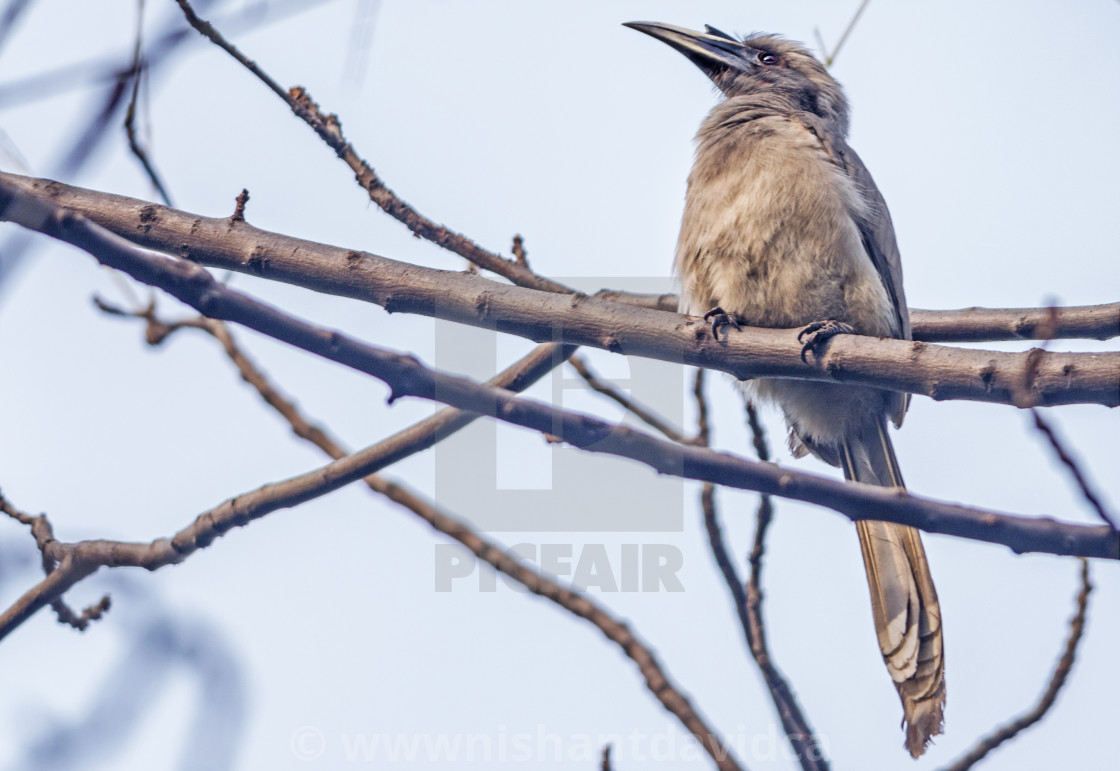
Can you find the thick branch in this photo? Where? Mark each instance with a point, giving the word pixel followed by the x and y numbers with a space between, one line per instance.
pixel 966 325
pixel 407 377
pixel 935 371
pixel 1093 322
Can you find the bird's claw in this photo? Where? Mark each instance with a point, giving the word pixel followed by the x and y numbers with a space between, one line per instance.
pixel 818 333
pixel 721 318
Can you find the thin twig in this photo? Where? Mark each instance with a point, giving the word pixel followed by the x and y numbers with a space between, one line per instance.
pixel 646 415
pixel 1057 680
pixel 830 58
pixel 748 604
pixel 1074 467
pixel 44 535
pixel 137 74
pixel 329 129
pixel 406 376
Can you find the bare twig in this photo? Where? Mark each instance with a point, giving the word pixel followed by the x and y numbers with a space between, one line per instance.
pixel 1074 467
pixel 44 535
pixel 748 604
pixel 829 58
pixel 644 414
pixel 329 129
pixel 405 376
pixel 81 620
pixel 1057 680
pixel 936 371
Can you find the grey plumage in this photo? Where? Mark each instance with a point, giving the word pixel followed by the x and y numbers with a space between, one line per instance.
pixel 783 226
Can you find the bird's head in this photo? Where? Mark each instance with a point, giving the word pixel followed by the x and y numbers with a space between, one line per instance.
pixel 757 64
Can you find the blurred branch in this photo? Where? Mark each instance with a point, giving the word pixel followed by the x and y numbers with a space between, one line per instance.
pixel 576 603
pixel 936 371
pixel 406 376
pixel 138 70
pixel 111 69
pixel 91 135
pixel 830 57
pixel 1057 680
pixel 748 604
pixel 10 18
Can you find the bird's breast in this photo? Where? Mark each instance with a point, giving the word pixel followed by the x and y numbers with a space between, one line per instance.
pixel 769 231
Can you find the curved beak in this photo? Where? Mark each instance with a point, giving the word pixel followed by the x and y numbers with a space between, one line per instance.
pixel 712 51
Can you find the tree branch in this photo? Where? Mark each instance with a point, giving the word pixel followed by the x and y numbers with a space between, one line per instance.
pixel 405 376
pixel 935 371
pixel 639 411
pixel 966 325
pixel 329 129
pixel 1057 680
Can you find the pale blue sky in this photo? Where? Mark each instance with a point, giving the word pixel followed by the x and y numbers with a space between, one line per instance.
pixel 990 128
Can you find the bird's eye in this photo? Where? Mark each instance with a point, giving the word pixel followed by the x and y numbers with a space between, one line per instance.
pixel 767 59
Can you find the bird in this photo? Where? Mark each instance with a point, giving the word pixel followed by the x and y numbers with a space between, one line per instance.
pixel 784 227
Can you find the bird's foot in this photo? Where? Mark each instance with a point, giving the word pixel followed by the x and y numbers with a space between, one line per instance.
pixel 820 332
pixel 721 318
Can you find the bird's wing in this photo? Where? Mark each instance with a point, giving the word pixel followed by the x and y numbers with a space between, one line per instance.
pixel 878 236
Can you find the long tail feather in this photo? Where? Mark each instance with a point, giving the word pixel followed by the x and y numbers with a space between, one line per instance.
pixel 903 599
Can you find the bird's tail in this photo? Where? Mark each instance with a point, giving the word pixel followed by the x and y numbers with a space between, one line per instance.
pixel 903 599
